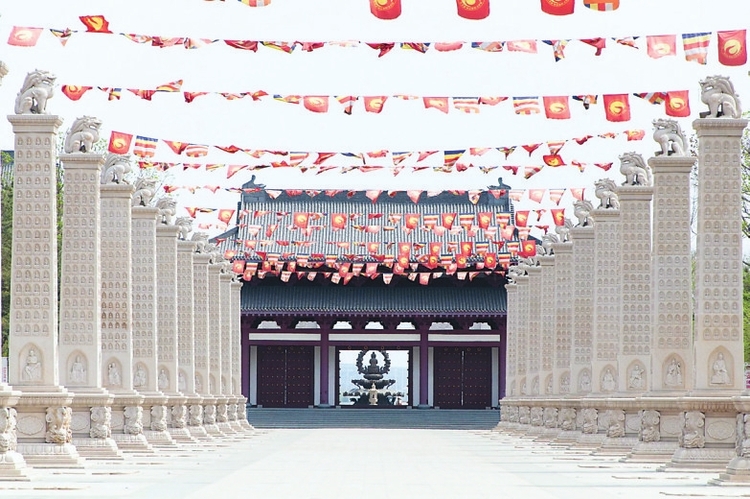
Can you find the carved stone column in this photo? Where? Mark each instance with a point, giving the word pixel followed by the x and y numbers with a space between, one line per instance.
pixel 225 344
pixel 200 340
pixel 145 328
pixel 511 369
pixel 738 469
pixel 81 306
pixel 167 346
pixel 583 308
pixel 547 343
pixel 213 338
pixel 33 349
pixel 240 408
pixel 522 359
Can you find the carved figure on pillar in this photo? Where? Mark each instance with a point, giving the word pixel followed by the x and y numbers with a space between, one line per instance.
pixel 565 383
pixel 604 190
pixel 589 416
pixel 674 374
pixel 83 134
pixel 101 422
pixel 116 166
pixel 693 430
pixel 163 379
pixel 32 371
pixel 563 231
pixel 145 188
pixel 608 381
pixel 113 375
pixel 524 415
pixel 139 376
pixel 185 224
pixel 615 423
pixel 743 435
pixel 133 420
pixel 537 416
pixel 8 437
pixel 512 414
pixel 196 415
pixel 179 416
pixel 221 413
pixel 159 418
pixel 567 419
pixel 209 414
pixel 720 374
pixel 38 87
pixel 717 92
pixel 649 431
pixel 550 417
pixel 635 169
pixel 167 209
pixel 201 242
pixel 668 134
pixel 77 371
pixel 584 384
pixel 635 380
pixel 58 425
pixel 582 210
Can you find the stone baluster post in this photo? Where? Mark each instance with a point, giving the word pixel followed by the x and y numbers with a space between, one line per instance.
pixel 240 409
pixel 533 381
pixel 563 327
pixel 200 339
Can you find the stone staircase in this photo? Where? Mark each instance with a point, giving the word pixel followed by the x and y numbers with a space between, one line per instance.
pixel 435 419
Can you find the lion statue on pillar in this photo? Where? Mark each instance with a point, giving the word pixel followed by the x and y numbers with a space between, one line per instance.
pixel 116 166
pixel 83 134
pixel 185 224
pixel 668 134
pixel 635 169
pixel 582 210
pixel 604 190
pixel 167 210
pixel 145 188
pixel 37 89
pixel 717 92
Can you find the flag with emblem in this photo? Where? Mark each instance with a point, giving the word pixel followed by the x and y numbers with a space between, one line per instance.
pixel 385 9
pixel 555 195
pixel 119 142
pixel 528 248
pixel 466 248
pixel 558 7
pixel 602 5
pixel 374 104
pixel 338 221
pixel 301 219
pixel 446 219
pixel 556 107
pixel 95 24
pixel 522 218
pixel 225 215
pixel 617 107
pixel 677 104
pixel 145 147
pixel 74 92
pixel 411 220
pixel 696 46
pixel 635 134
pixel 439 103
pixel 473 9
pixel 24 37
pixel 238 266
pixel 558 215
pixel 316 103
pixel 732 47
pixel 526 105
pixel 658 46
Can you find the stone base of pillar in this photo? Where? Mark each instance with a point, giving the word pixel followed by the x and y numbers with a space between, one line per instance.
pixel 98 448
pixel 707 458
pixel 181 435
pixel 159 439
pixel 226 428
pixel 534 431
pixel 242 414
pixel 13 467
pixel 590 441
pixel 652 452
pixel 127 422
pixel 619 446
pixel 548 435
pixel 133 443
pixel 738 473
pixel 101 446
pixel 212 429
pixel 199 433
pixel 43 455
pixel 566 438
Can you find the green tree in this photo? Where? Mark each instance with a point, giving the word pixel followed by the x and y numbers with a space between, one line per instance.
pixel 7 242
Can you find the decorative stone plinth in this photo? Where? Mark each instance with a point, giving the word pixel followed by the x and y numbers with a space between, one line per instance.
pixel 614 446
pixel 178 419
pixel 195 418
pixel 155 420
pixel 127 423
pixel 705 459
pixel 652 452
pixel 91 424
pixel 209 417
pixel 12 464
pixel 242 414
pixel 222 416
pixel 738 469
pixel 566 438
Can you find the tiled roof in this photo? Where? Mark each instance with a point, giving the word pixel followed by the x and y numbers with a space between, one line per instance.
pixel 387 301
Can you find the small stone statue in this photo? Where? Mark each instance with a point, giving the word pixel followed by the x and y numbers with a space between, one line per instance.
pixel 547 241
pixel 720 374
pixel 635 169
pixel 83 134
pixel 693 431
pixel 616 423
pixel 585 381
pixel 563 231
pixel 513 414
pixel 32 371
pixel 372 393
pixel 185 224
pixel 167 210
pixel 550 417
pixel 181 382
pixel 113 375
pixel 133 420
pixel 674 374
pixel 101 422
pixel 163 380
pixel 567 419
pixel 717 92
pixel 649 431
pixel 37 89
pixel 198 384
pixel 139 376
pixel 58 425
pixel 589 417
pixel 582 210
pixel 209 414
pixel 201 241
pixel 608 381
pixel 116 166
pixel 668 134
pixel 635 381
pixel 537 416
pixel 145 188
pixel 524 415
pixel 605 191
pixel 196 415
pixel 158 418
pixel 222 413
pixel 565 383
pixel 179 416
pixel 77 371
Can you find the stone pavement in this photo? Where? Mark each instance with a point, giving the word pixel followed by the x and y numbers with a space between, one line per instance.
pixel 347 463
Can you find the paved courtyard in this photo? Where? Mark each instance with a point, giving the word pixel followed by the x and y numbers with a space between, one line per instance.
pixel 327 464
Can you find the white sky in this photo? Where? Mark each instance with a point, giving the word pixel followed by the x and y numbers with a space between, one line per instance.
pixel 114 61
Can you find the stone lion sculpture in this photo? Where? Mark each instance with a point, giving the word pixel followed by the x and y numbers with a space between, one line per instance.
pixel 185 224
pixel 167 210
pixel 563 231
pixel 83 134
pixel 567 419
pixel 145 188
pixel 38 87
pixel 201 241
pixel 604 190
pixel 58 425
pixel 717 92
pixel 101 422
pixel 668 134
pixel 649 431
pixel 133 420
pixel 548 240
pixel 615 423
pixel 116 166
pixel 635 169
pixel 582 210
pixel 514 272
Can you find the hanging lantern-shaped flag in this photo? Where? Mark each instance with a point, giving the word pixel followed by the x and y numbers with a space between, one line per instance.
pixel 558 7
pixel 473 9
pixel 385 9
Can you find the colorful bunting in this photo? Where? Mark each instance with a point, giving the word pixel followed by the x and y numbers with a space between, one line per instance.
pixel 695 46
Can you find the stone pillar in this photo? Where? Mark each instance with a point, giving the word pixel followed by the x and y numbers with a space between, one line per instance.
pixel 583 309
pixel 709 426
pixel 533 381
pixel 167 353
pixel 200 339
pixel 80 341
pixel 213 347
pixel 511 361
pixel 522 362
pixel 43 423
pixel 240 406
pixel 547 334
pixel 145 327
pixel 225 345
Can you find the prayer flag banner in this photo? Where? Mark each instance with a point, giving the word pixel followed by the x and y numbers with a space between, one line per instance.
pixel 385 9
pixel 24 37
pixel 558 7
pixel 119 143
pixel 695 46
pixel 733 47
pixel 473 9
pixel 617 107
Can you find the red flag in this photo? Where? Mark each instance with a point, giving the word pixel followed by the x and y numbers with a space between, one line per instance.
pixel 558 215
pixel 677 104
pixel 439 103
pixel 556 108
pixel 411 220
pixel 732 47
pixel 338 220
pixel 577 192
pixel 661 45
pixel 558 7
pixel 238 266
pixel 446 219
pixel 301 219
pixel 74 92
pixel 473 9
pixel 553 160
pixel 243 44
pixel 316 103
pixel 374 104
pixel 617 107
pixel 385 9
pixel 635 134
pixel 24 37
pixel 225 215
pixel 119 143
pixel 522 218
pixel 528 249
pixel 537 194
pixel 95 24
pixel 467 248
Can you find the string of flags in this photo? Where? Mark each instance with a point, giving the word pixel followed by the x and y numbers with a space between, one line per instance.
pixel 616 106
pixel 480 9
pixel 731 45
